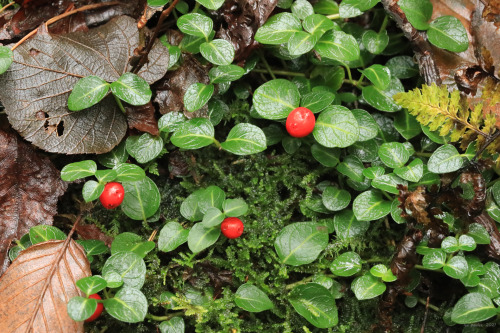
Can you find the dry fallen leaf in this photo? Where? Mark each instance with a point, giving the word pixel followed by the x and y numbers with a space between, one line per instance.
pixel 37 286
pixel 30 186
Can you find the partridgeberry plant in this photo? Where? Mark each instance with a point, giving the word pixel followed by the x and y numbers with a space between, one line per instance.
pixel 352 194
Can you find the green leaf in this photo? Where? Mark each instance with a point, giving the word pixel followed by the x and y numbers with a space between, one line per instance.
pixel 374 42
pixel 130 266
pixel 174 52
pixel 87 91
pixel 368 127
pixel 91 284
pixel 418 13
pixel 317 24
pixel 473 308
pixel 217 109
pixel 379 75
pixel 252 299
pixel 435 259
pixel 326 7
pixel 373 172
pixel 347 226
pixel 129 305
pixel 132 89
pixel 200 238
pixel 193 134
pixel 335 199
pixel 171 121
pixel 93 246
pixel 383 272
pixel 92 190
pixel 407 125
pixel 115 157
pixel 301 243
pixel 352 8
pixel 317 101
pixel 174 325
pixel 338 45
pixel 382 99
pixel 388 183
pixel 302 9
pixel 291 144
pixel 275 99
pixel 402 67
pixel 129 173
pixel 328 157
pixel 212 196
pixel 226 73
pixel 352 167
pixel 80 308
pixel 113 279
pixel 105 176
pixel 192 44
pixel 456 267
pixel 274 134
pixel 245 139
pixel 43 233
pixel 190 209
pixel 211 4
pixel 212 217
pixel 315 303
pixel 145 147
pixel 346 264
pixel 172 235
pixel 128 241
pixel 301 42
pixel 479 233
pixel 393 154
pixel 369 206
pixel 141 200
pixel 78 170
pixel 336 126
pixel 413 172
pixel 445 159
pixel 218 52
pixel 466 243
pixel 278 29
pixel 366 151
pixel 196 25
pixel 6 58
pixel 447 32
pixel 197 95
pixel 234 207
pixel 367 287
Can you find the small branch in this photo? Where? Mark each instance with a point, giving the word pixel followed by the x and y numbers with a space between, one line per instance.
pixel 430 306
pixel 6 6
pixel 333 16
pixel 63 15
pixel 266 64
pixel 217 143
pixel 164 318
pixel 384 24
pixel 144 57
pixel 120 105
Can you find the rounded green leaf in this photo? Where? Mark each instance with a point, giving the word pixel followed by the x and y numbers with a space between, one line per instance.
pixel 336 126
pixel 174 325
pixel 234 207
pixel 130 266
pixel 87 92
pixel 393 154
pixel 252 299
pixel 127 172
pixel 196 25
pixel 276 99
pixel 317 24
pixel 466 243
pixel 212 5
pixel 278 29
pixel 301 243
pixel 315 303
pixel 381 99
pixel 212 196
pixel 132 89
pixel 338 45
pixel 245 139
pixel 91 284
pixel 141 200
pixel 174 52
pixel 413 172
pixel 373 172
pixel 368 128
pixel 301 42
pixel 226 73
pixel 190 206
pixel 418 13
pixel 389 183
pixel 326 7
pixel 194 134
pixel 447 32
pixel 145 147
pixel 80 308
pixel 479 233
pixel 317 101
pixel 402 67
pixel 456 267
pixel 93 246
pixel 92 190
pixel 291 144
pixel 218 52
pixel 375 42
pixel 379 75
pixel 328 157
pixel 367 287
pixel 172 235
pixel 352 8
pixel 113 279
pixel 129 305
pixel 335 199
pixel 302 9
pixel 115 157
pixel 473 308
pixel 347 226
pixel 445 159
pixel 128 241
pixel 105 176
pixel 407 125
pixel 6 58
pixel 43 233
pixel 346 264
pixel 212 217
pixel 200 237
pixel 78 170
pixel 171 121
pixel 352 167
pixel 435 259
pixel 197 95
pixel 370 206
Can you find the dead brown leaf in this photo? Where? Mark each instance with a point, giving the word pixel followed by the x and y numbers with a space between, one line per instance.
pixel 142 118
pixel 38 285
pixel 91 231
pixel 30 186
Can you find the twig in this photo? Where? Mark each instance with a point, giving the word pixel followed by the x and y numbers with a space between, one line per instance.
pixel 144 56
pixel 63 15
pixel 7 6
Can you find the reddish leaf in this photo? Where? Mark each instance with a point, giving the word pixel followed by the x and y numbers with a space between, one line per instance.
pixel 38 285
pixel 29 189
pixel 142 118
pixel 91 231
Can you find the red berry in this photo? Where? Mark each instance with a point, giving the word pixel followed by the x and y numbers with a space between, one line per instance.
pixel 232 227
pixel 97 311
pixel 300 122
pixel 112 196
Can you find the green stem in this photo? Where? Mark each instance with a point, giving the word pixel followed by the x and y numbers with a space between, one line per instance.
pixel 164 318
pixel 279 72
pixel 333 16
pixel 266 64
pixel 120 105
pixel 387 195
pixel 433 307
pixel 384 24
pixel 373 260
pixel 422 268
pixel 217 143
pixel 304 281
pixel 196 7
pixel 106 294
pixel 355 83
pixel 349 75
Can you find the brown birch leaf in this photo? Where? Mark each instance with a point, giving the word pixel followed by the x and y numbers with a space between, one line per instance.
pixel 30 187
pixel 45 69
pixel 38 285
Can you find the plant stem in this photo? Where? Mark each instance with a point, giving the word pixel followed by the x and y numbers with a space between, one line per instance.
pixel 422 268
pixel 279 72
pixel 120 105
pixel 333 16
pixel 163 318
pixel 7 6
pixel 349 75
pixel 266 64
pixel 304 281
pixel 106 294
pixel 433 307
pixel 384 24
pixel 217 143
